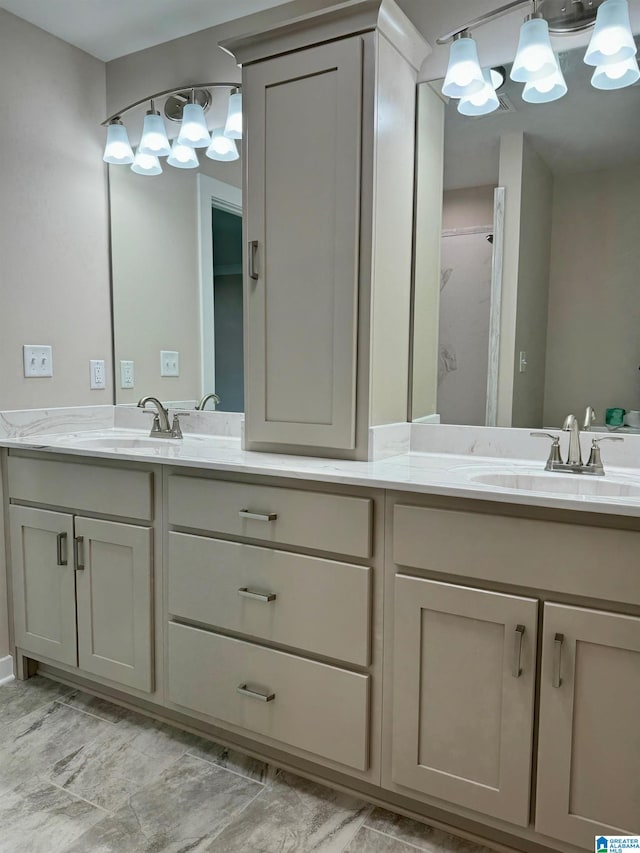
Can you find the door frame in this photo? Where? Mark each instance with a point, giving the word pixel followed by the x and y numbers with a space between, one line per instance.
pixel 211 193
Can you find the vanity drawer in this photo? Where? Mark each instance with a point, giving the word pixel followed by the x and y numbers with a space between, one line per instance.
pixel 568 558
pixel 312 706
pixel 320 606
pixel 90 488
pixel 341 525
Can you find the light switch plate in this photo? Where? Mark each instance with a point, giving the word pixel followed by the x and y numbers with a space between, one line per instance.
pixel 127 379
pixel 98 379
pixel 523 362
pixel 169 363
pixel 38 360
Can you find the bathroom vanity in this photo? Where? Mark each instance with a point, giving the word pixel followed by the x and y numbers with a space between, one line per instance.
pixel 461 652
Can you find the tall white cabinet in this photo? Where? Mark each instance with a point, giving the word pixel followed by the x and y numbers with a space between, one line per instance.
pixel 329 106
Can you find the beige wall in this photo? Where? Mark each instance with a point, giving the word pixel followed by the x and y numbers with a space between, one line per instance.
pixel 54 281
pixel 428 238
pixel 467 208
pixel 593 343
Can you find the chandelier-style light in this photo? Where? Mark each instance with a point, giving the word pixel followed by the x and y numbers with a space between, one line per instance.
pixel 612 50
pixel 188 106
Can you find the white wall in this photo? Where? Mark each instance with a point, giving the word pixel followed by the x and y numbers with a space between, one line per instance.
pixel 467 208
pixel 593 343
pixel 54 279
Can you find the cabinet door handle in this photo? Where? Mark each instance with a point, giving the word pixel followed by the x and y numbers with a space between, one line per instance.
pixel 61 549
pixel 253 264
pixel 78 544
pixel 516 669
pixel 557 659
pixel 258 516
pixel 255 694
pixel 257 596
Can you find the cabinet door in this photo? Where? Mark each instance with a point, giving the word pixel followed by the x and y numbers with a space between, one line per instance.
pixel 464 676
pixel 44 587
pixel 114 583
pixel 589 742
pixel 303 173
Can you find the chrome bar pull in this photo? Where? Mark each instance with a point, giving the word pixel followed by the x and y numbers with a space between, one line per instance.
pixel 253 264
pixel 267 597
pixel 557 659
pixel 78 544
pixel 516 669
pixel 255 694
pixel 61 549
pixel 258 516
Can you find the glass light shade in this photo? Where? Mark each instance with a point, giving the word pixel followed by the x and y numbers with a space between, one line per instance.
pixel 535 58
pixel 464 75
pixel 146 164
pixel 612 39
pixel 618 75
pixel 550 88
pixel 154 137
pixel 118 149
pixel 193 130
pixel 222 148
pixel 497 77
pixel 483 102
pixel 183 157
pixel 233 126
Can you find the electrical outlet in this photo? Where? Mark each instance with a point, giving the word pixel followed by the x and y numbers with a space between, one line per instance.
pixel 38 361
pixel 169 363
pixel 523 362
pixel 98 376
pixel 126 374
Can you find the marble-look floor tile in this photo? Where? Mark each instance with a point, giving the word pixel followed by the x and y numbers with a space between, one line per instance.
pixel 231 760
pixel 294 816
pixel 420 835
pixel 37 817
pixel 191 802
pixel 20 698
pixel 108 771
pixel 102 708
pixel 370 841
pixel 35 742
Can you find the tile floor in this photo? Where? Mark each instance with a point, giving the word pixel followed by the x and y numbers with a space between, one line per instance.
pixel 79 774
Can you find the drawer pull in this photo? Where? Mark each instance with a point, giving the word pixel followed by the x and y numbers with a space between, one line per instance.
pixel 258 516
pixel 557 659
pixel 516 670
pixel 254 694
pixel 265 597
pixel 78 544
pixel 61 549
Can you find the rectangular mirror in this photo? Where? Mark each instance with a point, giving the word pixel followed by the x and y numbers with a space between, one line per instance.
pixel 176 254
pixel 526 296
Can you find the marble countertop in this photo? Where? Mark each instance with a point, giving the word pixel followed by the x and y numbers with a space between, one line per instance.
pixel 444 474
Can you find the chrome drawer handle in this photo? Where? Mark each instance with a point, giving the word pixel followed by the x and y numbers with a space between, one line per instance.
pixel 516 669
pixel 245 592
pixel 79 546
pixel 258 516
pixel 557 659
pixel 254 694
pixel 61 546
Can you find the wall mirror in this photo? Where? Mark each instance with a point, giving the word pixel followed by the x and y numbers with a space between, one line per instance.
pixel 176 252
pixel 527 279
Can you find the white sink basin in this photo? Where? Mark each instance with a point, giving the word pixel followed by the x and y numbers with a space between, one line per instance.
pixel 577 484
pixel 125 443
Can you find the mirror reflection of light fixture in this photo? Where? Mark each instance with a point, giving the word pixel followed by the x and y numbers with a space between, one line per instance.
pixel 464 75
pixel 146 164
pixel 184 105
pixel 612 39
pixel 183 156
pixel 549 89
pixel 233 126
pixel 222 148
pixel 483 102
pixel 618 75
pixel 118 149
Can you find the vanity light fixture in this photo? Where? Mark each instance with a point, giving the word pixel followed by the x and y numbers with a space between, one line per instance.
pixel 483 102
pixel 536 64
pixel 186 106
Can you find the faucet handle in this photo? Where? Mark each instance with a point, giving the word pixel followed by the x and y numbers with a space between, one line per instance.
pixel 595 459
pixel 554 452
pixel 155 427
pixel 176 431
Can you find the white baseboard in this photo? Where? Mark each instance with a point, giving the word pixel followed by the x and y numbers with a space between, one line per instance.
pixel 6 670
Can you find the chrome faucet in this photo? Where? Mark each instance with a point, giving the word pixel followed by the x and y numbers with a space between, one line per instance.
pixel 574 464
pixel 204 400
pixel 161 427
